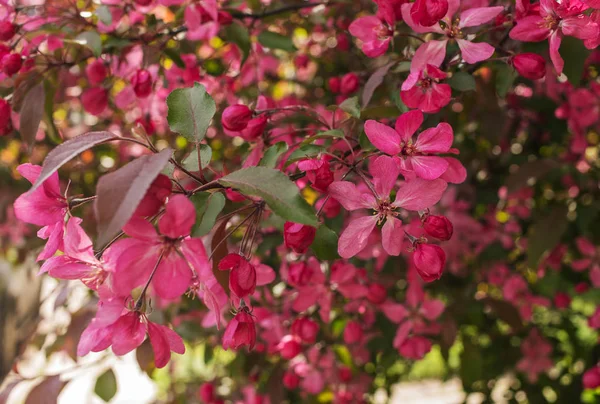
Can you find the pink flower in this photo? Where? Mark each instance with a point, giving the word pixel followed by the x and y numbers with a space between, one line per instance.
pixel 96 72
pixel 155 197
pixel 94 100
pixel 236 117
pixel 414 195
pixel 429 260
pixel 142 83
pixel 428 12
pixel 433 52
pixel 591 378
pixel 7 30
pixel 202 20
pixel 422 90
pixel 177 257
pixel 353 333
pixel 240 331
pixel 416 157
pixel 536 356
pixel 306 329
pixel 553 21
pixel 415 347
pixel 45 206
pixel 298 237
pixel 529 65
pixel 438 226
pixel 242 275
pixel 375 34
pixel 318 172
pixel 289 347
pixel 5 122
pixel 349 83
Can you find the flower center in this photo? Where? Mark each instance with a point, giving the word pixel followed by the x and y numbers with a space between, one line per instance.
pixel 382 31
pixel 385 209
pixel 550 22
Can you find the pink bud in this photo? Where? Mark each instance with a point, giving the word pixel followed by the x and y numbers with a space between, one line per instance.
pixel 95 100
pixel 224 18
pixel 236 117
pixel 5 122
pixel 298 236
pixel 352 333
pixel 438 226
pixel 289 347
pixel 4 50
pixel 96 72
pixel 415 348
pixel 142 83
pixel 155 197
pixel 255 127
pixel 318 172
pixel 343 43
pixel 582 287
pixel 429 260
pixel 529 65
pixel 206 393
pixel 143 3
pixel 301 61
pixel 7 30
pixel 591 378
pixel 594 320
pixel 11 63
pixel 335 84
pixel 242 275
pixel 349 83
pixel 306 329
pixel 428 12
pixel 377 293
pixel 290 380
pixel 345 373
pixel 240 331
pixel 562 300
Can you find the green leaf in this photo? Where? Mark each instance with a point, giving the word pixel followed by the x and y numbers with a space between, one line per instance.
pixel 574 54
pixel 462 81
pixel 389 111
pixel 334 133
pixel 273 40
pixel 395 96
pixel 303 152
pixel 276 189
pixel 190 111
pixel 92 40
pixel 545 234
pixel 471 365
pixel 238 34
pixel 203 153
pixel 325 244
pixel 106 385
pixel 104 14
pixel 272 154
pixel 505 77
pixel 208 206
pixel 351 106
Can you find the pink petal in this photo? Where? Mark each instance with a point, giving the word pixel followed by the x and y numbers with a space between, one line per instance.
pixel 160 345
pixel 54 234
pixel 431 52
pixel 435 140
pixel 530 29
pixel 349 196
pixel 394 311
pixel 355 236
pixel 264 275
pixel 456 172
pixel 411 81
pixel 172 277
pixel 383 137
pixel 133 268
pixel 193 250
pixel 128 333
pixel 408 123
pixel 432 309
pixel 64 267
pixel 376 48
pixel 141 229
pixel 475 52
pixel 478 15
pixel 407 17
pixel 428 167
pixel 77 243
pixel 580 26
pixel 392 236
pixel 419 194
pixel 585 246
pixel 363 28
pixel 402 333
pixel 179 217
pixel 94 339
pixel 557 60
pixel 385 171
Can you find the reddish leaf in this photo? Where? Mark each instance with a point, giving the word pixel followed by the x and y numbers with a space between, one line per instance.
pixel 120 192
pixel 69 149
pixel 145 357
pixel 375 81
pixel 31 114
pixel 219 250
pixel 46 392
pixel 505 312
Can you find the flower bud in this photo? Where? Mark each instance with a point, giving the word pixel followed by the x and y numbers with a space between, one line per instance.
pixel 289 347
pixel 11 63
pixel 318 172
pixel 377 293
pixel 306 329
pixel 562 300
pixel 529 65
pixel 242 275
pixel 240 331
pixel 298 236
pixel 142 83
pixel 290 380
pixel 301 61
pixel 594 320
pixel 438 226
pixel 5 122
pixel 334 84
pixel 94 100
pixel 224 18
pixel 255 127
pixel 206 393
pixel 353 332
pixel 96 72
pixel 428 12
pixel 591 378
pixel 349 83
pixel 429 260
pixel 236 117
pixel 155 197
pixel 345 374
pixel 7 30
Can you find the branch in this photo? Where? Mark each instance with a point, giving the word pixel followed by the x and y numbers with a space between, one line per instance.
pixel 281 10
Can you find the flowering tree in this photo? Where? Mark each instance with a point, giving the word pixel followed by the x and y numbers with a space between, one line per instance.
pixel 337 190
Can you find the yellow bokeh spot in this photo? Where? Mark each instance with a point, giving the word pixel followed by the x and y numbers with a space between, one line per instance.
pixel 310 195
pixel 301 33
pixel 502 217
pixel 167 63
pixel 118 86
pixel 216 42
pixel 181 142
pixel 281 90
pixel 593 138
pixel 591 154
pixel 59 114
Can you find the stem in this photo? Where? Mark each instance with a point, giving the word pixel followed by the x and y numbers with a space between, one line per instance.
pixel 230 233
pixel 367 181
pixel 140 301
